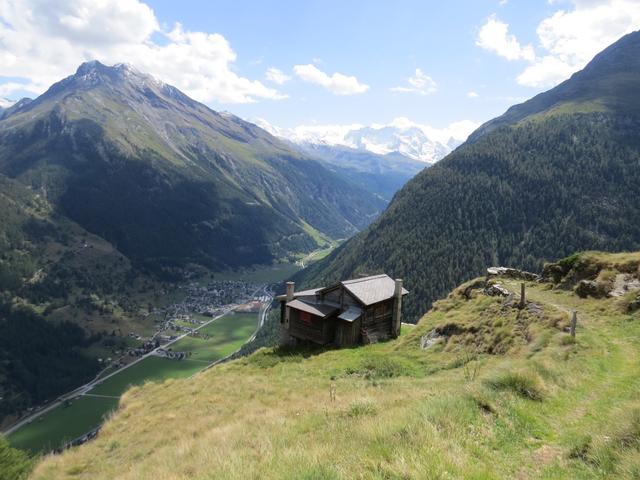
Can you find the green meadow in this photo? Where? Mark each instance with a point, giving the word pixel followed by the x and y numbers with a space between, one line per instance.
pixel 63 423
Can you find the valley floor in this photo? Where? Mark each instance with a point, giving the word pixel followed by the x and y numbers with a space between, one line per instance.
pixel 85 409
pixel 501 393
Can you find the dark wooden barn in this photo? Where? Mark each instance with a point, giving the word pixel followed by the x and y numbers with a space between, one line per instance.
pixel 352 312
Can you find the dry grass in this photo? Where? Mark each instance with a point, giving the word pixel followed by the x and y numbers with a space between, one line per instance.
pixel 399 412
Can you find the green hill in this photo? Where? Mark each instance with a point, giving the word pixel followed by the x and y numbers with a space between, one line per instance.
pixel 557 174
pixel 478 389
pixel 167 180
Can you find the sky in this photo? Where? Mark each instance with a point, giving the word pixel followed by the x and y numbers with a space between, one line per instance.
pixel 447 65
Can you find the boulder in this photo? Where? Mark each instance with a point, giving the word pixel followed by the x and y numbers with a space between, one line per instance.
pixel 496 290
pixel 512 273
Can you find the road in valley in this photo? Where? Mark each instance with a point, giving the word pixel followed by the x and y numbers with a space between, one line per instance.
pixel 86 388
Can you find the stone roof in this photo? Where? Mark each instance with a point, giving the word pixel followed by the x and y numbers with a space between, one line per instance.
pixel 374 289
pixel 317 309
pixel 301 293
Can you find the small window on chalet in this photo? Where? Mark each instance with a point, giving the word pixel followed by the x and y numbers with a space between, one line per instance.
pixel 305 317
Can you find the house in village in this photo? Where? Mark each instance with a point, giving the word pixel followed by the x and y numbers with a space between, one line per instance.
pixel 352 312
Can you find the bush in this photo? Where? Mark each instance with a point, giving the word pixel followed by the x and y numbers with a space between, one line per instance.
pixel 524 385
pixel 568 262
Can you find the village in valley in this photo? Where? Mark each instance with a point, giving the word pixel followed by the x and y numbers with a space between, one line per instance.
pixel 210 322
pixel 201 303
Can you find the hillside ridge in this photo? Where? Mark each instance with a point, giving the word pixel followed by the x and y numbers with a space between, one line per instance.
pixel 479 388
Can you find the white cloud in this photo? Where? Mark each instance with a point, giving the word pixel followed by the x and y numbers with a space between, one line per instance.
pixel 277 76
pixel 337 83
pixel 472 94
pixel 4 103
pixel 419 83
pixel 572 38
pixel 494 36
pixel 568 39
pixel 42 41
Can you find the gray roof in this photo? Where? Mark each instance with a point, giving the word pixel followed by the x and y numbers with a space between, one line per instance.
pixel 318 309
pixel 351 314
pixel 370 290
pixel 302 293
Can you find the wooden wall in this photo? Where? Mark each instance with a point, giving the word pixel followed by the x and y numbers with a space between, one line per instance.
pixel 378 319
pixel 305 326
pixel 348 333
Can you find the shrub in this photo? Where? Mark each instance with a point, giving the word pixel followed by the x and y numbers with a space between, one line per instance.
pixel 524 385
pixel 568 262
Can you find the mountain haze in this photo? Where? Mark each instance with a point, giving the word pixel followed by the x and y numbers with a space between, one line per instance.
pixel 554 175
pixel 382 175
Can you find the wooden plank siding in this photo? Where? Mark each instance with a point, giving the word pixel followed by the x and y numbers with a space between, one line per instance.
pixel 378 319
pixel 306 326
pixel 348 333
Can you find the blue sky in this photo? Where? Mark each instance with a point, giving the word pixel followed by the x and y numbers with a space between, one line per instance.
pixel 432 62
pixel 381 43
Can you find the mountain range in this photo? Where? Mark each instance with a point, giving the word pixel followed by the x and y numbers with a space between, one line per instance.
pixel 400 137
pixel 554 175
pixel 168 181
pixel 379 158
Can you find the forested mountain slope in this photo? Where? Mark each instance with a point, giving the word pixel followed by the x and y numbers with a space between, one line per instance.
pixel 169 181
pixel 536 185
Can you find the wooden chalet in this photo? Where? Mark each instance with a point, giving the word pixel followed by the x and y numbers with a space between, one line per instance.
pixel 352 312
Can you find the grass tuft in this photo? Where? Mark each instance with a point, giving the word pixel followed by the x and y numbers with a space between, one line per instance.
pixel 376 367
pixel 363 407
pixel 522 384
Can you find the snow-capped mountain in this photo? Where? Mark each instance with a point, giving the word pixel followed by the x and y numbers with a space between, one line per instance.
pixel 412 140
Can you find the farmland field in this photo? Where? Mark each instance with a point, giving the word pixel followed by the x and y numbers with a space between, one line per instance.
pixel 63 423
pixel 225 335
pixel 152 369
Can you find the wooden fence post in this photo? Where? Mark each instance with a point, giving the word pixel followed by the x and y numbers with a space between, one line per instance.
pixel 574 322
pixel 522 296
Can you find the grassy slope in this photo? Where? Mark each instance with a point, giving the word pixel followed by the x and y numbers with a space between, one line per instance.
pixel 547 408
